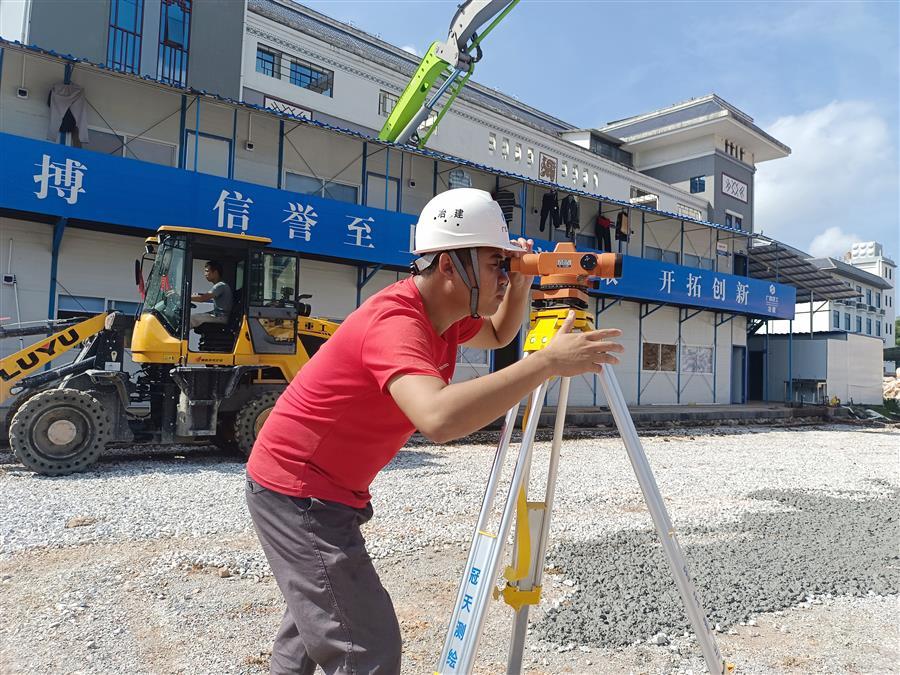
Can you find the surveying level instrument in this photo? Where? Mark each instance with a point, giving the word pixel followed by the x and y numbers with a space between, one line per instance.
pixel 565 275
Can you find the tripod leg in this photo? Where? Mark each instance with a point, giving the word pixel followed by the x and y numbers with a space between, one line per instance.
pixel 662 522
pixel 480 574
pixel 539 526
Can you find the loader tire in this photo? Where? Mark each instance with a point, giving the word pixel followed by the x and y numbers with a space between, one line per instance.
pixel 10 413
pixel 249 420
pixel 60 431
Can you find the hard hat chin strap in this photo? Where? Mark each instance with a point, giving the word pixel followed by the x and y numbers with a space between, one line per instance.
pixel 471 280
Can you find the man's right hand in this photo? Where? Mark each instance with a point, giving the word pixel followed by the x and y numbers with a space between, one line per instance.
pixel 573 353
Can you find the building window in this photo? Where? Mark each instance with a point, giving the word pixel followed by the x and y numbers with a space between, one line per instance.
pixel 266 62
pixel 835 319
pixel 734 220
pixel 308 185
pixel 132 147
pixel 641 197
pixel 653 253
pixel 386 103
pixel 689 211
pixel 696 359
pixel 213 153
pixel 658 357
pixel 174 41
pixel 859 324
pixel 298 72
pixel 846 322
pixel 698 261
pixel 698 184
pixel 878 328
pixel 308 76
pixel 868 326
pixel 606 149
pixel 72 306
pixel 878 300
pixel 123 50
pixel 869 296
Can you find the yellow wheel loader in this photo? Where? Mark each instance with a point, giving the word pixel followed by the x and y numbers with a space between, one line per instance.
pixel 216 381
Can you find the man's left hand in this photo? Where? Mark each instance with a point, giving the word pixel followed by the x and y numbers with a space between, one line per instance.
pixel 517 280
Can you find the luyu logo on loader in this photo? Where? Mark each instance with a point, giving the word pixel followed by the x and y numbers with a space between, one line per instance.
pixel 32 358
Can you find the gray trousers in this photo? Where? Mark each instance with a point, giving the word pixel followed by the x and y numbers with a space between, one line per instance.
pixel 338 614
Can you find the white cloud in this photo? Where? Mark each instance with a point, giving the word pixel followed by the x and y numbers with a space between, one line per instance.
pixel 833 242
pixel 839 185
pixel 412 50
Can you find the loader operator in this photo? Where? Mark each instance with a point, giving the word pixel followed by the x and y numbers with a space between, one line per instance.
pixel 384 374
pixel 219 294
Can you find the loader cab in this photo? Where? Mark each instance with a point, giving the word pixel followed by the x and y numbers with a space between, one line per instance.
pixel 263 283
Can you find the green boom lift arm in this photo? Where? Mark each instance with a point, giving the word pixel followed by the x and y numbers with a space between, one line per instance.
pixel 454 61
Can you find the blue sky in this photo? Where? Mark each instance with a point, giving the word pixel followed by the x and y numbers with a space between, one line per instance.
pixel 821 77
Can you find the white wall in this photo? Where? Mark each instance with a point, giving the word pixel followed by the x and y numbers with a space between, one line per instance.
pixel 855 369
pixel 29 245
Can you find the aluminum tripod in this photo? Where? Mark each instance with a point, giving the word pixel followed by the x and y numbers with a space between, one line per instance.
pixel 522 580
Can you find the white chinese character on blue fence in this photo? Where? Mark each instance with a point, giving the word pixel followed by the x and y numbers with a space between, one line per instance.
pixel 611 281
pixel 64 177
pixel 460 631
pixel 719 289
pixel 234 210
pixel 473 576
pixel 466 603
pixel 452 658
pixel 360 232
pixel 743 290
pixel 693 285
pixel 667 277
pixel 301 220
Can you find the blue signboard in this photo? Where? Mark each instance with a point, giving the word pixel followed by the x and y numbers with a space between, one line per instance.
pixel 41 177
pixel 662 282
pixel 63 181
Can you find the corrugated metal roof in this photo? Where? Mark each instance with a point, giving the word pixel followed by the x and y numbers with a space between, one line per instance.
pixel 775 262
pixel 850 271
pixel 371 48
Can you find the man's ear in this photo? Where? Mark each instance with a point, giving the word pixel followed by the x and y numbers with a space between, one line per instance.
pixel 446 267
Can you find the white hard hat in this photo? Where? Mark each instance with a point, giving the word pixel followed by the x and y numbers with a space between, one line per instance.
pixel 462 218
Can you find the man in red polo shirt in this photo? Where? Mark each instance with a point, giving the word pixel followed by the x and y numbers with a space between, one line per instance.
pixel 385 373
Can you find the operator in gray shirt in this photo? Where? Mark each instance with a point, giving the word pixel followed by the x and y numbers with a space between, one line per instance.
pixel 219 294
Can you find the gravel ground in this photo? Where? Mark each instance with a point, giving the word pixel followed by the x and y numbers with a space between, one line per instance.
pixel 148 564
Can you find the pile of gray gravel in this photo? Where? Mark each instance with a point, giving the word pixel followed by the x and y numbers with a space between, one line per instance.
pixel 813 544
